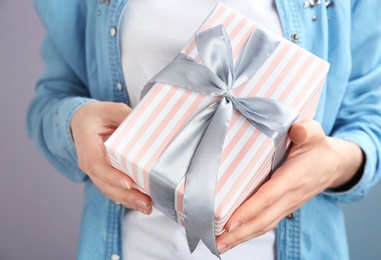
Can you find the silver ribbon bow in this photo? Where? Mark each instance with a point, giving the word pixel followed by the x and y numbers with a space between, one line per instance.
pixel 195 152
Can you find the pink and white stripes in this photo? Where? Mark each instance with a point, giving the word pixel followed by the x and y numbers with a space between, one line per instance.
pixel 291 75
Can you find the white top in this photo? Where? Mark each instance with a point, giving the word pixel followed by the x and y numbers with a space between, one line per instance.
pixel 152 34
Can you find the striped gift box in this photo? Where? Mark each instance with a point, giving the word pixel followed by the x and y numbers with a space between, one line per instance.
pixel 290 75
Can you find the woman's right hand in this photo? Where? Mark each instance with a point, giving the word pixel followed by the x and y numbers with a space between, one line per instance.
pixel 91 126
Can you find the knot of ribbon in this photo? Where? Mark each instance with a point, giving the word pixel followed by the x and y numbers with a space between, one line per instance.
pixel 195 152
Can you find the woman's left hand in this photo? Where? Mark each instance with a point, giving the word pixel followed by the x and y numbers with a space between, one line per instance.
pixel 315 162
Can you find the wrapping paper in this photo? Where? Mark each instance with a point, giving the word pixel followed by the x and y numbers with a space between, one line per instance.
pixel 290 75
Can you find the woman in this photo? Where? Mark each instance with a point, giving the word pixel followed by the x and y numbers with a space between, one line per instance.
pixel 98 56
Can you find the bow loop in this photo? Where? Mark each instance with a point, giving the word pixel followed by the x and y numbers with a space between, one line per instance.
pixel 257 50
pixel 214 48
pixel 267 115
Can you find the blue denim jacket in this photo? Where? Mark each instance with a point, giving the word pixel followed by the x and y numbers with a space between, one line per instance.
pixel 82 56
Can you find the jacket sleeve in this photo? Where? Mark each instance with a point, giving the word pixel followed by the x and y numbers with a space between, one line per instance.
pixel 359 118
pixel 62 89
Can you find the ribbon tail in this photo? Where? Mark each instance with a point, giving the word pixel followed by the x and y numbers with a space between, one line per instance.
pixel 192 244
pixel 173 164
pixel 203 172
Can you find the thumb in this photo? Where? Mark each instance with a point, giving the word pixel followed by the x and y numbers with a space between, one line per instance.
pixel 115 113
pixel 305 133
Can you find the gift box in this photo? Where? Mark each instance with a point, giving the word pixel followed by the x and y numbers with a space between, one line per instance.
pixel 170 143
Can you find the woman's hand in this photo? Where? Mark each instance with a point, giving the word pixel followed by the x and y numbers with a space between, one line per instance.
pixel 315 162
pixel 91 126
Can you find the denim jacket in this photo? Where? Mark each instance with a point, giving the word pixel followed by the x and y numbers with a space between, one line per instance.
pixel 82 56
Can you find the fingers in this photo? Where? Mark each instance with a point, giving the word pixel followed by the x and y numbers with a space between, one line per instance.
pixel 114 184
pixel 300 178
pixel 268 195
pixel 304 133
pixel 279 185
pixel 282 181
pixel 132 198
pixel 273 201
pixel 247 223
pixel 109 175
pixel 92 161
pixel 90 126
pixel 256 227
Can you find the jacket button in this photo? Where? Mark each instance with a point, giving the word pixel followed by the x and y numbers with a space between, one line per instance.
pixel 115 257
pixel 113 31
pixel 119 86
pixel 295 37
pixel 291 216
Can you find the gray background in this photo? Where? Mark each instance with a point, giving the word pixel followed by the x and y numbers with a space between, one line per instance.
pixel 39 209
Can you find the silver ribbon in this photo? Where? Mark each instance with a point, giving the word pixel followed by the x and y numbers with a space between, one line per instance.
pixel 195 152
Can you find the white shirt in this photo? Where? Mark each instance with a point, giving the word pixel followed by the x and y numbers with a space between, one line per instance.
pixel 152 33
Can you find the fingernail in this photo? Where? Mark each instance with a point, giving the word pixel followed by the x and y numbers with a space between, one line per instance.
pixel 142 211
pixel 223 248
pixel 124 184
pixel 141 204
pixel 234 226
